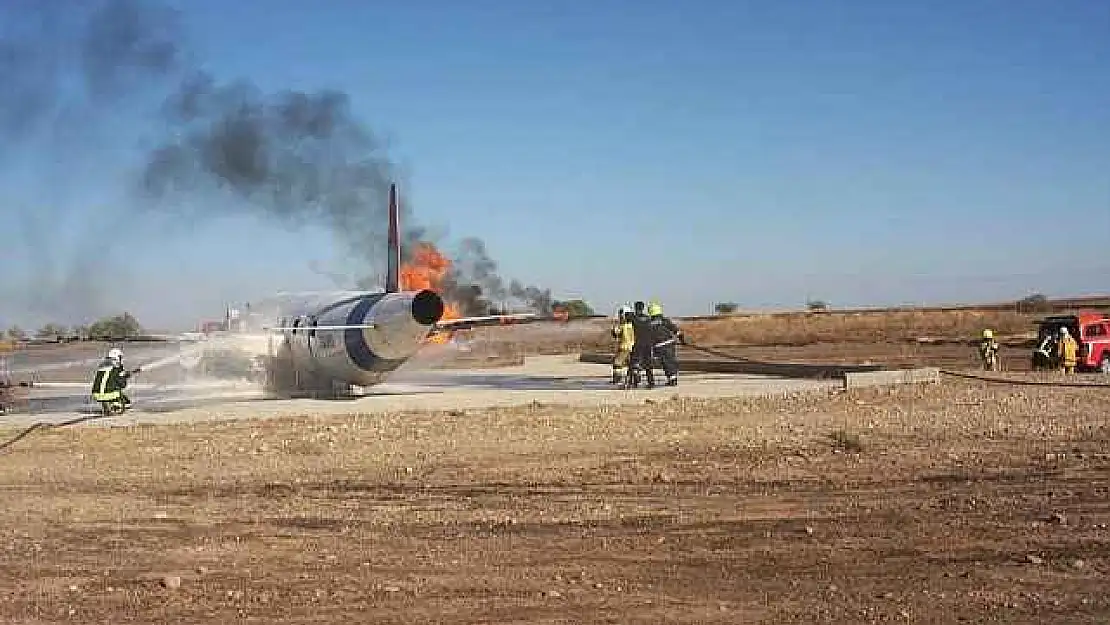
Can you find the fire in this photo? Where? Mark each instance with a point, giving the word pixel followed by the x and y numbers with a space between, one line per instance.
pixel 426 270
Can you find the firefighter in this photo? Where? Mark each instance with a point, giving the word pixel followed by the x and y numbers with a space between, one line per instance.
pixel 1044 355
pixel 988 351
pixel 1067 351
pixel 5 378
pixel 641 361
pixel 111 378
pixel 666 337
pixel 625 334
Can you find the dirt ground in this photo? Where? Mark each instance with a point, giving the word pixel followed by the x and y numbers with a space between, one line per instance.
pixel 942 504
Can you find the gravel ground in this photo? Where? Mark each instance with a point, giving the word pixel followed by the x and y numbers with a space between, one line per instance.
pixel 946 503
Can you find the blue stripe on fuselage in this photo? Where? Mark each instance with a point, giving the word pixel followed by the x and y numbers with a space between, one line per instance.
pixel 355 341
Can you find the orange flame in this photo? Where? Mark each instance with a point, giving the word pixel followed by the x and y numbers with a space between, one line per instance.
pixel 426 270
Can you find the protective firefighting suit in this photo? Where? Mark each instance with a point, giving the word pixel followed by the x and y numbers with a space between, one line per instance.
pixel 666 337
pixel 641 361
pixel 1067 352
pixel 625 334
pixel 1046 350
pixel 110 379
pixel 988 351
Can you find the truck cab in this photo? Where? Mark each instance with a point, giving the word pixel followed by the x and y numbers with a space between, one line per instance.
pixel 1090 330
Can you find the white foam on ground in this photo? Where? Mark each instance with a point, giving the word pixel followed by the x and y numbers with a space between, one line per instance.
pixel 549 380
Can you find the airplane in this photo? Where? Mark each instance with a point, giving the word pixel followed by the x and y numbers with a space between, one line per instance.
pixel 326 343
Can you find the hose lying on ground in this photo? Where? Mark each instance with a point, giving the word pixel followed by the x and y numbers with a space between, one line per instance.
pixel 984 378
pixel 45 425
pixel 948 372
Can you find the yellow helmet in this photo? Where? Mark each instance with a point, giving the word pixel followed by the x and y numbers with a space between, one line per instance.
pixel 654 309
pixel 988 334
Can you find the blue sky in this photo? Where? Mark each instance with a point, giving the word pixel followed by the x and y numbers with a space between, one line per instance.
pixel 865 153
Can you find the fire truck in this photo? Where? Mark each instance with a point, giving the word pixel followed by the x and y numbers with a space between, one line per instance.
pixel 1090 329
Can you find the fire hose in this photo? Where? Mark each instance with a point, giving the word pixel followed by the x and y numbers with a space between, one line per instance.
pixel 984 378
pixel 47 425
pixel 948 372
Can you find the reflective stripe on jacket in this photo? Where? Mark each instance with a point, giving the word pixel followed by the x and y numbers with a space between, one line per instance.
pixel 106 386
pixel 664 331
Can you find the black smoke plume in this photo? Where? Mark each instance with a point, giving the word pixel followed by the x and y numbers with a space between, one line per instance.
pixel 300 158
pixel 304 158
pixel 65 64
pixel 66 70
pixel 478 288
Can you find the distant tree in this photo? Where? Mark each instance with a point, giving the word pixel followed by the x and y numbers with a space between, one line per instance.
pixel 17 333
pixel 817 305
pixel 1035 303
pixel 81 332
pixel 115 328
pixel 574 308
pixel 725 308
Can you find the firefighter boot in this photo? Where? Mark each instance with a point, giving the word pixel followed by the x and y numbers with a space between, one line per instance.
pixel 632 380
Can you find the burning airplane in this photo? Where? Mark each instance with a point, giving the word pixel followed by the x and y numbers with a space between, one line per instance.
pixel 327 343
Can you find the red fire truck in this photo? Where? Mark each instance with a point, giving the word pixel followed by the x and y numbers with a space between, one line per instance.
pixel 1090 329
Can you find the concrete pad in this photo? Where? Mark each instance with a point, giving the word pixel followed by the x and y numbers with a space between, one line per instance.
pixel 739 365
pixel 883 378
pixel 546 379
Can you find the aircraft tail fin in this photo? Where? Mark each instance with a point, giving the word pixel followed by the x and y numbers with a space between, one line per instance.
pixel 393 267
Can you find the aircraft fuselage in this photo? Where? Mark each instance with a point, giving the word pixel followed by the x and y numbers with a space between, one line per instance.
pixel 355 339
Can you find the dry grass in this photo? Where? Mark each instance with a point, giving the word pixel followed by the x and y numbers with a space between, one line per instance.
pixel 775 330
pixel 516 342
pixel 861 507
pixel 864 327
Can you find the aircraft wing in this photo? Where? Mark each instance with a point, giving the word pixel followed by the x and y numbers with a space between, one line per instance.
pixel 445 325
pixel 463 323
pixel 449 325
pixel 360 326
